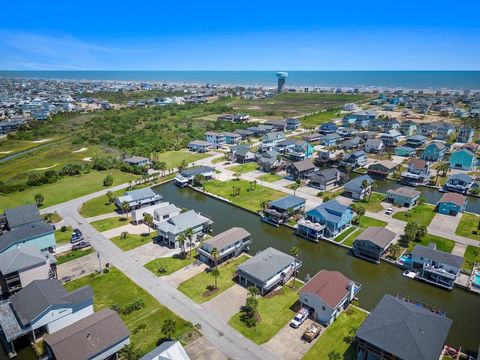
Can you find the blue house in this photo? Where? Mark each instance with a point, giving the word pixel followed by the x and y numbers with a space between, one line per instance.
pixel 451 204
pixel 292 124
pixel 443 131
pixel 404 151
pixel 459 183
pixel 355 159
pixel 331 139
pixel 465 134
pixel 328 128
pixel 300 150
pixel 416 141
pixel 325 221
pixel 463 159
pixel 434 151
pixel 281 210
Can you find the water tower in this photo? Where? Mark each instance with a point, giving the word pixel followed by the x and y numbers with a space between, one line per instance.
pixel 281 76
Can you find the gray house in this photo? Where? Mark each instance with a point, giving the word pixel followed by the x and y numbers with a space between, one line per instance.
pixel 138 198
pixel 325 179
pixel 354 188
pixel 187 176
pixel 372 243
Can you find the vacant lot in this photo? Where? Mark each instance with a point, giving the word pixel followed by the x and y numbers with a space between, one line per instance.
pixel 133 241
pixel 270 178
pixel 366 222
pixel 373 204
pixel 472 256
pixel 244 168
pixel 174 158
pixel 445 245
pixel 423 214
pixel 110 223
pixel 469 226
pixel 167 266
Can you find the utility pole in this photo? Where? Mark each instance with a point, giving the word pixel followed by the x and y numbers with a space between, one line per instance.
pixel 99 261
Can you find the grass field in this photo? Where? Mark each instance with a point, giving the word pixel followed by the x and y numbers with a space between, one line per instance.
pixel 320 117
pixel 445 245
pixel 10 146
pixel 174 158
pixel 349 241
pixel 72 255
pixel 471 256
pixel 270 178
pixel 274 312
pixel 247 199
pixel 423 214
pixel 167 266
pixel 468 224
pixel 196 287
pixel 133 241
pixel 345 234
pixel 244 168
pixel 333 337
pixel 67 188
pixel 110 223
pixel 366 222
pixel 145 324
pixel 373 205
pixel 52 217
pixel 63 237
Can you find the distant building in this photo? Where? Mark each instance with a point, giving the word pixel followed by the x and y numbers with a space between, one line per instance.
pixel 281 77
pixel 216 139
pixel 186 176
pixel 404 151
pixel 199 146
pixel 434 151
pixel 416 141
pixel 465 134
pixel 137 161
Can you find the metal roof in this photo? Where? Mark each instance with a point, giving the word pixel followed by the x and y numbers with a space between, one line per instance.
pixel 22 215
pixel 288 202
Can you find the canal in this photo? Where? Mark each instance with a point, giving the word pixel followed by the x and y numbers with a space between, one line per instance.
pixel 462 307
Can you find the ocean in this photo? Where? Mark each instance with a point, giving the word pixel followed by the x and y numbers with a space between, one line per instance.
pixel 382 79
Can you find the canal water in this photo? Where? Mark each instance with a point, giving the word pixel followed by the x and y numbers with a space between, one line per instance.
pixel 462 307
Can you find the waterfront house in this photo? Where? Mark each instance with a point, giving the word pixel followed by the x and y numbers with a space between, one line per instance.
pixel 186 176
pixel 382 169
pixel 327 295
pixel 280 211
pixel 229 244
pixel 465 134
pixel 326 220
pixel 270 161
pixel 355 189
pixel 312 138
pixel 216 139
pixel 436 267
pixel 199 146
pixel 433 152
pixel 463 159
pixel 232 138
pixel 301 169
pixel 416 141
pixel 403 196
pixel 170 230
pixel 417 173
pixel 300 150
pixel 426 129
pixel 168 350
pixel 292 124
pixel 351 143
pixel 408 128
pixel 330 139
pixel 443 131
pixel 354 160
pixel 328 157
pixel 374 146
pixel 267 270
pixel 137 161
pixel 423 331
pixel 139 198
pixel 390 137
pixel 451 204
pixel 270 140
pixel 165 212
pixel 372 243
pixel 328 128
pixel 404 151
pixel 459 183
pixel 325 179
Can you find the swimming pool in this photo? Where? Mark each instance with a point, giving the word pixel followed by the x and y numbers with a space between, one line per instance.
pixel 406 260
pixel 476 279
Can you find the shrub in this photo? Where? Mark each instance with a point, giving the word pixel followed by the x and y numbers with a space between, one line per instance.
pixel 108 180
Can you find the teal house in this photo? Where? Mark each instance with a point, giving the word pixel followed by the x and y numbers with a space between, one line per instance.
pixel 452 204
pixel 463 159
pixel 433 152
pixel 404 151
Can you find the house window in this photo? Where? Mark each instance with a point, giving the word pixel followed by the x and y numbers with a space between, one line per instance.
pixel 323 308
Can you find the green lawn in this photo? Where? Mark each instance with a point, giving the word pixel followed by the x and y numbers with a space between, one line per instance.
pixel 366 222
pixel 10 146
pixel 333 337
pixel 196 287
pixel 445 245
pixel 72 255
pixel 63 237
pixel 52 217
pixel 423 214
pixel 468 224
pixel 373 205
pixel 343 235
pixel 145 324
pixel 270 178
pixel 174 158
pixel 110 223
pixel 349 241
pixel 133 240
pixel 219 160
pixel 319 118
pixel 471 256
pixel 274 312
pixel 248 199
pixel 244 168
pixel 167 266
pixel 67 188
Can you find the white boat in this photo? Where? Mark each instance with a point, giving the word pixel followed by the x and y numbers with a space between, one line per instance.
pixel 410 274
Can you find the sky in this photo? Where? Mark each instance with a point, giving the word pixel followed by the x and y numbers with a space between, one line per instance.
pixel 240 35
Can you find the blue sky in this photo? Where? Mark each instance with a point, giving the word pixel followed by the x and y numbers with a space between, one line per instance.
pixel 236 35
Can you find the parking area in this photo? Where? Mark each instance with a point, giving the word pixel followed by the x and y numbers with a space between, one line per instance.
pixel 150 251
pixel 228 303
pixel 202 349
pixel 79 267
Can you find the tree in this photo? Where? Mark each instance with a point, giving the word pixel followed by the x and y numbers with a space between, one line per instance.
pixel 181 242
pixel 215 273
pixel 295 252
pixel 169 327
pixel 162 166
pixel 110 197
pixel 39 199
pixel 414 231
pixel 215 254
pixel 125 207
pixel 334 355
pixel 443 167
pixel 148 219
pixel 366 186
pixel 124 235
pixel 131 352
pixel 295 186
pixel 359 209
pixel 264 204
pixel 108 180
pixel 183 165
pixel 189 235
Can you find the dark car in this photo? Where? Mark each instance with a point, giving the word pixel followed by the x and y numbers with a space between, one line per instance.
pixel 77 236
pixel 81 245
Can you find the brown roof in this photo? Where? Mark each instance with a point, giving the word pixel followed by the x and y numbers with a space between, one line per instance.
pixel 454 198
pixel 419 163
pixel 404 191
pixel 378 235
pixel 88 337
pixel 228 237
pixel 387 164
pixel 303 165
pixel 329 286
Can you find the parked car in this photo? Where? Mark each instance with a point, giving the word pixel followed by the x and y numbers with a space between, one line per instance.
pixel 311 332
pixel 77 236
pixel 299 318
pixel 80 245
pixel 389 211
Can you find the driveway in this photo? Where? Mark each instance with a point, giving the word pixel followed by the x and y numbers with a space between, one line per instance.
pixel 445 223
pixel 130 228
pixel 228 303
pixel 186 273
pixel 88 264
pixel 202 349
pixel 148 252
pixel 459 249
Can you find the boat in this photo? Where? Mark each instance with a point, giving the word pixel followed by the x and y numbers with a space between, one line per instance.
pixel 410 274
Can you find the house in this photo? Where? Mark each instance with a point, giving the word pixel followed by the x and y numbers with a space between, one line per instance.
pixel 311 138
pixel 238 117
pixel 355 188
pixel 451 204
pixel 443 131
pixel 241 154
pixel 436 267
pixel 328 157
pixel 232 138
pixel 382 169
pixel 168 350
pixel 459 183
pixel 347 132
pixel 244 133
pixel 261 129
pixel 23 226
pixel 139 198
pixel 267 270
pixel 20 266
pixel 416 141
pixel 408 128
pixel 170 230
pixel 360 119
pixel 186 176
pixel 43 306
pixel 11 125
pixel 403 196
pixel 390 137
pixel 463 159
pixel 229 244
pixel 328 128
pixel 433 152
pixel 417 173
pixel 326 220
pixel 373 146
pixel 278 125
pixel 283 146
pixel 270 140
pixel 301 169
pixel 424 331
pixel 270 161
pixel 354 160
pixel 389 107
pixel 199 146
pixel 327 294
pixel 325 179
pixel 164 213
pixel 372 243
pixel 216 139
pixel 404 151
pixel 351 143
pixel 330 139
pixel 281 210
pixel 300 150
pixel 473 147
pixel 137 161
pixel 465 134
pixel 427 130
pixel 292 124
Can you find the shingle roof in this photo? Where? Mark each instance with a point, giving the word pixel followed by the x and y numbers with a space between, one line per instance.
pixel 23 233
pixel 423 333
pixel 22 215
pixel 329 286
pixel 418 163
pixel 182 222
pixel 140 194
pixel 454 198
pixel 325 174
pixel 21 259
pixel 164 210
pixel 378 235
pixel 356 184
pixel 463 177
pixel 331 210
pixel 288 202
pixel 429 252
pixel 228 237
pixel 439 145
pixel 266 264
pixel 199 143
pixel 404 191
pixel 303 165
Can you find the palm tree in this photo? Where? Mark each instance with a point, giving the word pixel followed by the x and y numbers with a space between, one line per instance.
pixel 215 273
pixel 111 197
pixel 373 186
pixel 39 199
pixel 162 166
pixel 148 219
pixel 125 207
pixel 366 185
pixel 295 186
pixel 169 327
pixel 215 254
pixel 443 167
pixel 189 235
pixel 253 291
pixel 264 204
pixel 181 242
pixel 295 252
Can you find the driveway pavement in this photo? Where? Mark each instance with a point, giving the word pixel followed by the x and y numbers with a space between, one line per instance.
pixel 79 267
pixel 228 303
pixel 186 273
pixel 148 252
pixel 202 349
pixel 459 249
pixel 445 223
